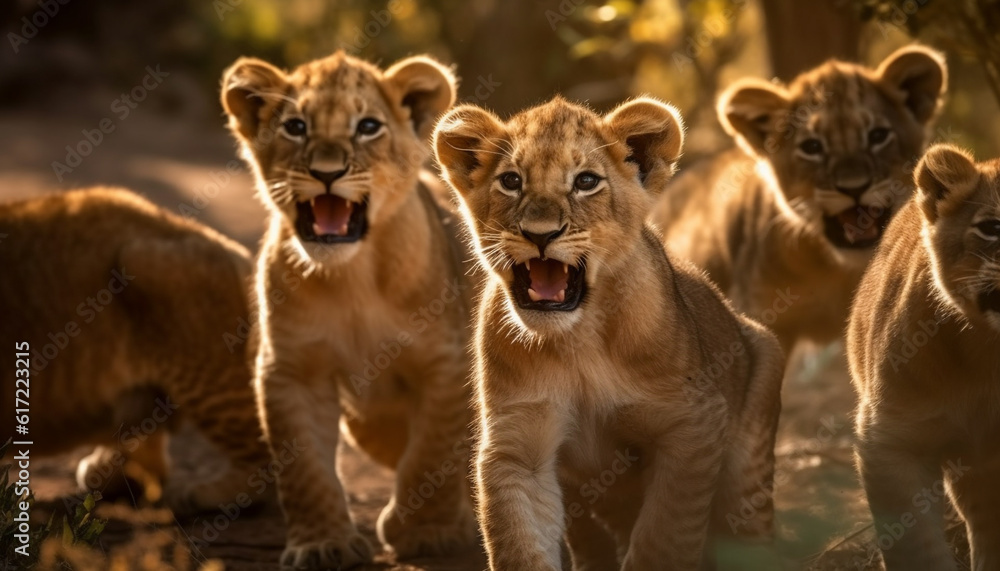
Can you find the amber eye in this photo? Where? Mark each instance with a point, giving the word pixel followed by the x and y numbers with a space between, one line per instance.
pixel 877 136
pixel 811 146
pixel 989 229
pixel 368 126
pixel 510 181
pixel 586 181
pixel 295 127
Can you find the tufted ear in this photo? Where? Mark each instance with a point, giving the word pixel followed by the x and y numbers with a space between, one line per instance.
pixel 423 86
pixel 920 75
pixel 464 140
pixel 654 134
pixel 945 177
pixel 247 87
pixel 749 110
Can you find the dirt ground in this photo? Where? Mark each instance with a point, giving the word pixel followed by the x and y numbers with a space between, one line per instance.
pixel 175 162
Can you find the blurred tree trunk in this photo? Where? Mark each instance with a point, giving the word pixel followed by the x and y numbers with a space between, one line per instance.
pixel 509 43
pixel 802 35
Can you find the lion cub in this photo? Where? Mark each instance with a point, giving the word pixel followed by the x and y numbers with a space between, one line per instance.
pixel 787 225
pixel 617 390
pixel 364 320
pixel 922 341
pixel 124 308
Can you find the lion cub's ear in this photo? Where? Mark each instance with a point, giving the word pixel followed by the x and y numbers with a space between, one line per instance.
pixel 423 86
pixel 249 86
pixel 945 177
pixel 654 134
pixel 920 76
pixel 750 110
pixel 466 138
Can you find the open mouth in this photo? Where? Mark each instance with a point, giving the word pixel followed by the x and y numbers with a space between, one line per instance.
pixel 856 227
pixel 548 285
pixel 989 301
pixel 331 219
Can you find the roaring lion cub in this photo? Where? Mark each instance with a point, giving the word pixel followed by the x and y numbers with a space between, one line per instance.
pixel 364 319
pixel 923 345
pixel 123 309
pixel 787 226
pixel 613 382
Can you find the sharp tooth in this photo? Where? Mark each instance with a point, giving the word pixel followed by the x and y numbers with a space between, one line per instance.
pixel 527 264
pixel 561 296
pixel 343 229
pixel 533 295
pixel 565 269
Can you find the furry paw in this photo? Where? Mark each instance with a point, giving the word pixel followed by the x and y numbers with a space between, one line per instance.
pixel 410 535
pixel 103 470
pixel 333 554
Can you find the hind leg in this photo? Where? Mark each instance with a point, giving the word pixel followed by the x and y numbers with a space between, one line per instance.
pixel 430 511
pixel 747 475
pixel 109 469
pixel 973 489
pixel 228 419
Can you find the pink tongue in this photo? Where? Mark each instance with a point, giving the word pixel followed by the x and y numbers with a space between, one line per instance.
pixel 547 278
pixel 331 215
pixel 858 226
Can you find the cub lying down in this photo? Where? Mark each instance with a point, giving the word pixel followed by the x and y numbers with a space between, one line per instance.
pixel 124 308
pixel 922 343
pixel 595 351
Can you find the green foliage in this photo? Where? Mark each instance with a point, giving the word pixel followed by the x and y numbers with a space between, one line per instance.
pixel 80 528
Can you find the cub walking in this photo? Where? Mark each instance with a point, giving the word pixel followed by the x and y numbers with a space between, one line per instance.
pixel 922 343
pixel 596 353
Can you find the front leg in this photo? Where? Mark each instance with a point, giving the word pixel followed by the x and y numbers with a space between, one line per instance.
pixel 896 482
pixel 301 415
pixel 672 528
pixel 430 512
pixel 520 504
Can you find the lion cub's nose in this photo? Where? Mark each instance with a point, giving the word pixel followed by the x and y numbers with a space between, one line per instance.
pixel 327 177
pixel 542 239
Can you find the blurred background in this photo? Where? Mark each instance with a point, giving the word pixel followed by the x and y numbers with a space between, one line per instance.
pixel 126 93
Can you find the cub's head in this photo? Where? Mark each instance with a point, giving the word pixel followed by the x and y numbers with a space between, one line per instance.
pixel 841 139
pixel 960 203
pixel 337 144
pixel 557 195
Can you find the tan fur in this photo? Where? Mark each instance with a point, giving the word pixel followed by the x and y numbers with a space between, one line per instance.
pixel 755 220
pixel 133 354
pixel 634 383
pixel 329 310
pixel 922 341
